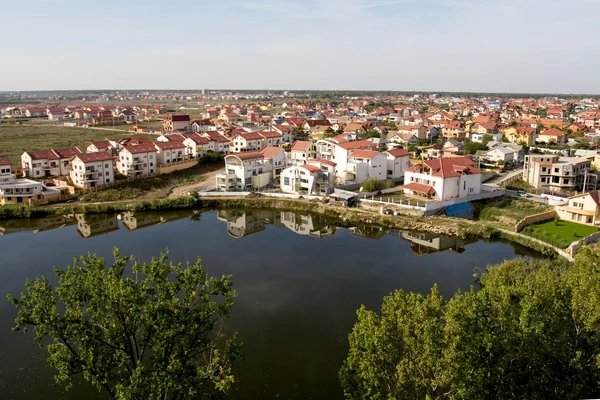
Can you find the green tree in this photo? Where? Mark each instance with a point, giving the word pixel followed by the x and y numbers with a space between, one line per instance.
pixel 471 147
pixel 371 185
pixel 532 331
pixel 373 134
pixel 155 332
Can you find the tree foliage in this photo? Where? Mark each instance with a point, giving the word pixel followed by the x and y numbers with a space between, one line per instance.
pixel 138 330
pixel 531 331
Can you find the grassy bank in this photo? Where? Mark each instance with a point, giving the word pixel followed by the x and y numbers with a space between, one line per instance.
pixel 559 233
pixel 505 212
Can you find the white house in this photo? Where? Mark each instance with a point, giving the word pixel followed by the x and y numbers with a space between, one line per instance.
pixel 170 152
pixel 244 171
pixel 92 169
pixel 103 145
pixel 218 143
pixel 443 178
pixel 301 152
pixel 339 152
pixel 500 154
pixel 275 160
pixel 363 164
pixel 137 160
pixel 478 137
pixel 40 164
pixel 397 161
pixel 22 191
pixel 247 142
pixel 315 178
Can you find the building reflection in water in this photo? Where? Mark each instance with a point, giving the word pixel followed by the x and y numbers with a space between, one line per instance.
pixel 36 225
pixel 138 220
pixel 246 222
pixel 425 243
pixel 89 225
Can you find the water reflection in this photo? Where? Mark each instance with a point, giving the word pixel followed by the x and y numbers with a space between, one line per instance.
pixel 240 223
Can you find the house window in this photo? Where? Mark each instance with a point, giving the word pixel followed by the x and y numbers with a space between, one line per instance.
pixel 107 173
pixel 556 170
pixel 286 181
pixel 465 185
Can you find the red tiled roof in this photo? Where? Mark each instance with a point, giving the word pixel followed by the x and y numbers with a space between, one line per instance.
pixel 322 161
pixel 216 136
pixel 552 132
pixel 419 187
pixel 178 117
pixel 250 135
pixel 196 138
pixel 140 148
pixel 270 151
pixel 310 168
pixel 103 144
pixel 270 134
pixel 449 166
pixel 170 145
pixel 5 160
pixel 67 153
pixel 301 145
pixel 398 153
pixel 364 154
pixel 95 157
pixel 246 156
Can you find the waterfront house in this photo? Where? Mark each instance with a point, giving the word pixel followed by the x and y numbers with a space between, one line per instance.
pixel 46 163
pixel 137 160
pixel 275 160
pixel 364 164
pixel 244 171
pixel 443 178
pixel 22 191
pixel 583 208
pixel 89 170
pixel 552 172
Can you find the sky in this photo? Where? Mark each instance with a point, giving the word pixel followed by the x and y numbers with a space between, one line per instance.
pixel 526 46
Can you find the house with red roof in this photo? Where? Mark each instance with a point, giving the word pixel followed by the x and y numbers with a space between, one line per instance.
pixel 46 163
pixel 5 166
pixel 364 164
pixel 102 145
pixel 217 142
pixel 301 152
pixel 397 161
pixel 177 123
pixel 89 170
pixel 454 130
pixel 244 171
pixel 170 152
pixel 316 177
pixel 443 178
pixel 552 135
pixel 339 150
pixel 137 159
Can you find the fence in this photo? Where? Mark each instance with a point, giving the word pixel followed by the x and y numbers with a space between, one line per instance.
pixel 265 194
pixel 534 219
pixel 593 238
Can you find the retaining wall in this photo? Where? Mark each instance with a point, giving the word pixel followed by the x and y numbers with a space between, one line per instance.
pixel 534 219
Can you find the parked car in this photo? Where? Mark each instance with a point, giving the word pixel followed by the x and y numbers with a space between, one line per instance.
pixel 522 193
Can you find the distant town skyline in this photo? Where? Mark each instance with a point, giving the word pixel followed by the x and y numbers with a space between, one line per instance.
pixel 502 46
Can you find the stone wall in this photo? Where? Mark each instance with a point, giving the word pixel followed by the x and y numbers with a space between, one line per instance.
pixel 534 219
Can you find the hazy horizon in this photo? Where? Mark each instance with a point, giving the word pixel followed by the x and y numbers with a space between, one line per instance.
pixel 468 46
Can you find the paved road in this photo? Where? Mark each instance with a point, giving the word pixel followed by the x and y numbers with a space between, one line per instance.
pixel 532 197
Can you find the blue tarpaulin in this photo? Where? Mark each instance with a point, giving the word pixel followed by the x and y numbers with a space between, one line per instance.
pixel 462 210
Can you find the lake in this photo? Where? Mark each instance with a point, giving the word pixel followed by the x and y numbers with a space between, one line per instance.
pixel 299 278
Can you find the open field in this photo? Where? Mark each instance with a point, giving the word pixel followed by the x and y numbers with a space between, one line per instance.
pixel 559 233
pixel 506 212
pixel 15 139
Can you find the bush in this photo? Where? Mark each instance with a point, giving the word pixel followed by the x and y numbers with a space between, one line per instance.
pixel 371 185
pixel 211 158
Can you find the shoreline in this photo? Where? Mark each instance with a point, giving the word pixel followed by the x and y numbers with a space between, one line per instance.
pixel 465 229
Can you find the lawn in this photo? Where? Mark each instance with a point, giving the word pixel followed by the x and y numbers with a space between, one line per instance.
pixel 16 139
pixel 506 212
pixel 559 233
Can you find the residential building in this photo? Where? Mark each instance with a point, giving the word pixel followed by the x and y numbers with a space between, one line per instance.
pixel 170 152
pixel 275 160
pixel 177 123
pixel 103 145
pixel 244 171
pixel 137 160
pixel 46 163
pixel 339 151
pixel 22 191
pixel 89 170
pixel 317 177
pixel 402 138
pixel 218 143
pixel 552 172
pixel 443 178
pixel 420 131
pixel 455 130
pixel 431 152
pixel 301 152
pixel 313 123
pixel 583 209
pixel 89 225
pixel 478 137
pixel 203 125
pixel 247 142
pixel 397 161
pixel 500 155
pixel 552 135
pixel 364 164
pixel 520 134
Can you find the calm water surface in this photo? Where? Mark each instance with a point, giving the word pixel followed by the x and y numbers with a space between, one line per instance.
pixel 299 280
